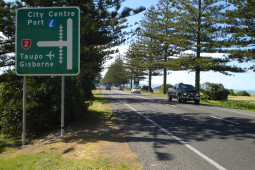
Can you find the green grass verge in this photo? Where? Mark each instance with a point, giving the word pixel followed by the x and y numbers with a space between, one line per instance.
pixel 237 105
pixel 53 160
pixel 50 159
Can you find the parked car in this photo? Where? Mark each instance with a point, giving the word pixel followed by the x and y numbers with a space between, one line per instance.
pixel 136 90
pixel 108 88
pixel 120 88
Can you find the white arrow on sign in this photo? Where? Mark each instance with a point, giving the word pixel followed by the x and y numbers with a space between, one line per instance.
pixel 68 43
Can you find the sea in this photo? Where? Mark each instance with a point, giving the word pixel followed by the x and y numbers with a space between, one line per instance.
pixel 251 92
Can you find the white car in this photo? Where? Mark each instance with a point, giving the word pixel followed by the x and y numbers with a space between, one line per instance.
pixel 136 90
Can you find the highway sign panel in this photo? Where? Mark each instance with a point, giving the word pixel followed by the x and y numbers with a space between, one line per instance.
pixel 48 41
pixel 136 80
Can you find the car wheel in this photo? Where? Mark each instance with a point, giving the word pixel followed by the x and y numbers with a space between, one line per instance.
pixel 178 99
pixel 197 101
pixel 169 98
pixel 184 101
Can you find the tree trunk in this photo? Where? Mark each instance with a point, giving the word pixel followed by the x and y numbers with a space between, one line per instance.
pixel 164 76
pixel 131 81
pixel 164 81
pixel 149 86
pixel 197 78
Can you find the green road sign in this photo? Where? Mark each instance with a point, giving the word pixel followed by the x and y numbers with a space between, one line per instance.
pixel 48 41
pixel 97 80
pixel 136 80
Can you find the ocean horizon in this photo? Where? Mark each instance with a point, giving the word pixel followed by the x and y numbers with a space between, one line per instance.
pixel 248 91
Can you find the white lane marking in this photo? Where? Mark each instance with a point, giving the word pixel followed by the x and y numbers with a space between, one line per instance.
pixel 225 120
pixel 171 105
pixel 125 92
pixel 142 97
pixel 233 111
pixel 178 139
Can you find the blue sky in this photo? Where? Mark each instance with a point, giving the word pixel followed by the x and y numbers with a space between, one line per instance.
pixel 240 81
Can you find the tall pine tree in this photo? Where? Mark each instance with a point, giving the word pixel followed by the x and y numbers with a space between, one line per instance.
pixel 132 62
pixel 147 47
pixel 239 33
pixel 117 73
pixel 197 22
pixel 167 34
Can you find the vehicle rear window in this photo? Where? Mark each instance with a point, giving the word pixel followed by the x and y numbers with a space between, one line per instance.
pixel 190 87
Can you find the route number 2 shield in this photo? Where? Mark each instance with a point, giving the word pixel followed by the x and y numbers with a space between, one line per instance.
pixel 26 44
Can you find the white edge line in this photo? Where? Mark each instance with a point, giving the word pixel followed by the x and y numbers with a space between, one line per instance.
pixel 224 120
pixel 178 139
pixel 234 111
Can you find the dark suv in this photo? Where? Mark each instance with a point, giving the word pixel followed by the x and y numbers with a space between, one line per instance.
pixel 184 92
pixel 108 88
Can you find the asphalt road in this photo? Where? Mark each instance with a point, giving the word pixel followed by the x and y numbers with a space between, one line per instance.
pixel 171 135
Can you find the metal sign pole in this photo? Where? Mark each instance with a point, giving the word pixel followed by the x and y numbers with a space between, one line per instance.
pixel 24 112
pixel 62 105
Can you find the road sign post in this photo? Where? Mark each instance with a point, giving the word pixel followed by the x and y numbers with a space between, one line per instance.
pixel 136 80
pixel 48 41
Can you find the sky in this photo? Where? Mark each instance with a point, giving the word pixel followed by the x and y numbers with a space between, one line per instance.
pixel 240 81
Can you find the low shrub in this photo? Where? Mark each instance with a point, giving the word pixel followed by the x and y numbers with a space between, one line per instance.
pixel 214 91
pixel 167 86
pixel 220 94
pixel 146 88
pixel 242 93
pixel 232 93
pixel 202 97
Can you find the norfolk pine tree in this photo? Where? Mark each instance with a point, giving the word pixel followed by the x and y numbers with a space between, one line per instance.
pixel 166 33
pixel 132 62
pixel 116 74
pixel 241 28
pixel 147 47
pixel 197 21
pixel 7 27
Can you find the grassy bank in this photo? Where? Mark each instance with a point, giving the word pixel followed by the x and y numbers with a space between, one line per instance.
pixel 94 142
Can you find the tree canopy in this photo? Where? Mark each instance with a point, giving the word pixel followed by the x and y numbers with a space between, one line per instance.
pixel 239 31
pixel 187 24
pixel 116 74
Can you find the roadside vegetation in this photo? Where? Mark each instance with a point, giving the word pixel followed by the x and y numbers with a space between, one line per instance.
pixel 103 23
pixel 235 102
pixel 101 147
pixel 215 94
